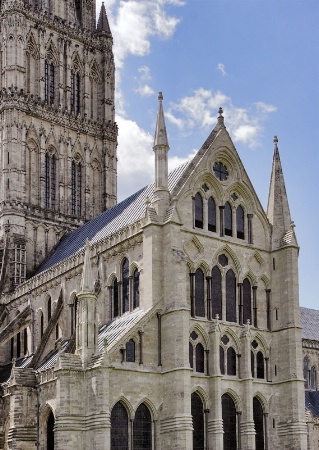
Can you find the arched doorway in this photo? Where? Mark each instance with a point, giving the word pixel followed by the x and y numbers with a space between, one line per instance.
pixel 50 431
pixel 197 410
pixel 229 422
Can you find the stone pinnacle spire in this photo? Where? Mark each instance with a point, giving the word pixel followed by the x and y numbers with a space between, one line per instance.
pixel 278 211
pixel 103 23
pixel 160 131
pixel 87 278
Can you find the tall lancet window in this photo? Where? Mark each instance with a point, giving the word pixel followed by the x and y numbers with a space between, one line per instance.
pixel 125 286
pixel 75 92
pixel 49 75
pixel 50 180
pixel 76 183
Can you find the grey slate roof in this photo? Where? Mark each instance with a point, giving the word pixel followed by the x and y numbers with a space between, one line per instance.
pixel 110 221
pixel 310 323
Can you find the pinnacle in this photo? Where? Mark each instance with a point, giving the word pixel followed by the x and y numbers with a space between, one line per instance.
pixel 103 23
pixel 160 131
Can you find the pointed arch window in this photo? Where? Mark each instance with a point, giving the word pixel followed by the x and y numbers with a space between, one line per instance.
pixel 75 92
pixel 231 313
pixel 199 212
pixel 197 411
pixel 41 324
pixel 306 371
pixel 216 292
pixel 50 431
pixel 313 376
pixel 191 355
pixel 258 416
pixel 199 294
pixel 115 298
pixel 136 289
pixel 142 429
pixel 49 308
pixel 229 423
pixel 200 358
pixel 125 286
pixel 130 351
pixel 50 180
pixel 25 341
pixel 240 222
pixel 231 361
pixel 222 360
pixel 246 301
pixel 228 217
pixel 49 75
pixel 260 365
pixel 119 427
pixel 18 345
pixel 211 206
pixel 76 186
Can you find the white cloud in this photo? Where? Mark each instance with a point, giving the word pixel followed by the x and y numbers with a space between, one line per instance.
pixel 200 110
pixel 221 68
pixel 144 89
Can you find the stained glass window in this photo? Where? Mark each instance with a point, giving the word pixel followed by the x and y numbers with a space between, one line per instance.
pixel 258 416
pixel 198 211
pixel 228 219
pixel 136 289
pixel 229 423
pixel 199 294
pixel 246 301
pixel 130 351
pixel 200 359
pixel 260 365
pixel 197 411
pixel 142 429
pixel 125 286
pixel 231 361
pixel 211 214
pixel 50 431
pixel 231 313
pixel 216 283
pixel 240 222
pixel 119 427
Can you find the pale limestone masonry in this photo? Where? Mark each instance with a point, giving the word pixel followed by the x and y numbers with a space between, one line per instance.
pixel 133 275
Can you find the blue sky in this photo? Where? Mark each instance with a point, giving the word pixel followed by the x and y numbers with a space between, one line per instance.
pixel 259 60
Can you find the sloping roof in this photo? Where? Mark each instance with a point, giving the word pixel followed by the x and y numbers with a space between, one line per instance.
pixel 110 221
pixel 312 402
pixel 5 371
pixel 310 323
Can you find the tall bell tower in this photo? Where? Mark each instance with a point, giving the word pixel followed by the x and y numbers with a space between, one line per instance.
pixel 58 137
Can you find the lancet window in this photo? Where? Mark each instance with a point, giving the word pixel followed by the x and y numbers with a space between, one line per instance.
pixel 258 416
pixel 229 417
pixel 49 81
pixel 197 411
pixel 119 428
pixel 125 286
pixel 240 222
pixel 75 97
pixel 125 291
pixel 142 429
pixel 199 211
pixel 50 180
pixel 76 186
pixel 228 218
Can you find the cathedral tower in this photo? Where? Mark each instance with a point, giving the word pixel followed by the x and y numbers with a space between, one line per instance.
pixel 58 137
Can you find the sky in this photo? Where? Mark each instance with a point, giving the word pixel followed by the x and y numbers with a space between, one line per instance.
pixel 258 60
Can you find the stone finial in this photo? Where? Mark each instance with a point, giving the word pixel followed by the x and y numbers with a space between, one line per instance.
pixel 221 117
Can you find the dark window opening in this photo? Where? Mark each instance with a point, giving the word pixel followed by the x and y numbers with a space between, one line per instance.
pixel 115 298
pixel 49 308
pixel 228 220
pixel 231 361
pixel 197 411
pixel 25 341
pixel 216 290
pixel 246 301
pixel 222 360
pixel 49 82
pixel 200 358
pixel 252 362
pixel 50 431
pixel 313 378
pixel 211 215
pixel 191 355
pixel 125 286
pixel 229 423
pixel 199 294
pixel 240 222
pixel 220 171
pixel 75 92
pixel 50 180
pixel 231 313
pixel 18 345
pixel 258 416
pixel 136 289
pixel 199 221
pixel 260 365
pixel 130 351
pixel 119 428
pixel 142 429
pixel 41 325
pixel 76 188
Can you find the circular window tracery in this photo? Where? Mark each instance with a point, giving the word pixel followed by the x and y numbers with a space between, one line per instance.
pixel 220 171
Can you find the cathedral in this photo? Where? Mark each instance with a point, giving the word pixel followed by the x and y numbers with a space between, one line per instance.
pixel 170 320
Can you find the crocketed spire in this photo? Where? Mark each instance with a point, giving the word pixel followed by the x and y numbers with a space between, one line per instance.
pixel 103 23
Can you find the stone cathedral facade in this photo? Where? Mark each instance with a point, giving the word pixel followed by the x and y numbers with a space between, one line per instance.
pixel 170 320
